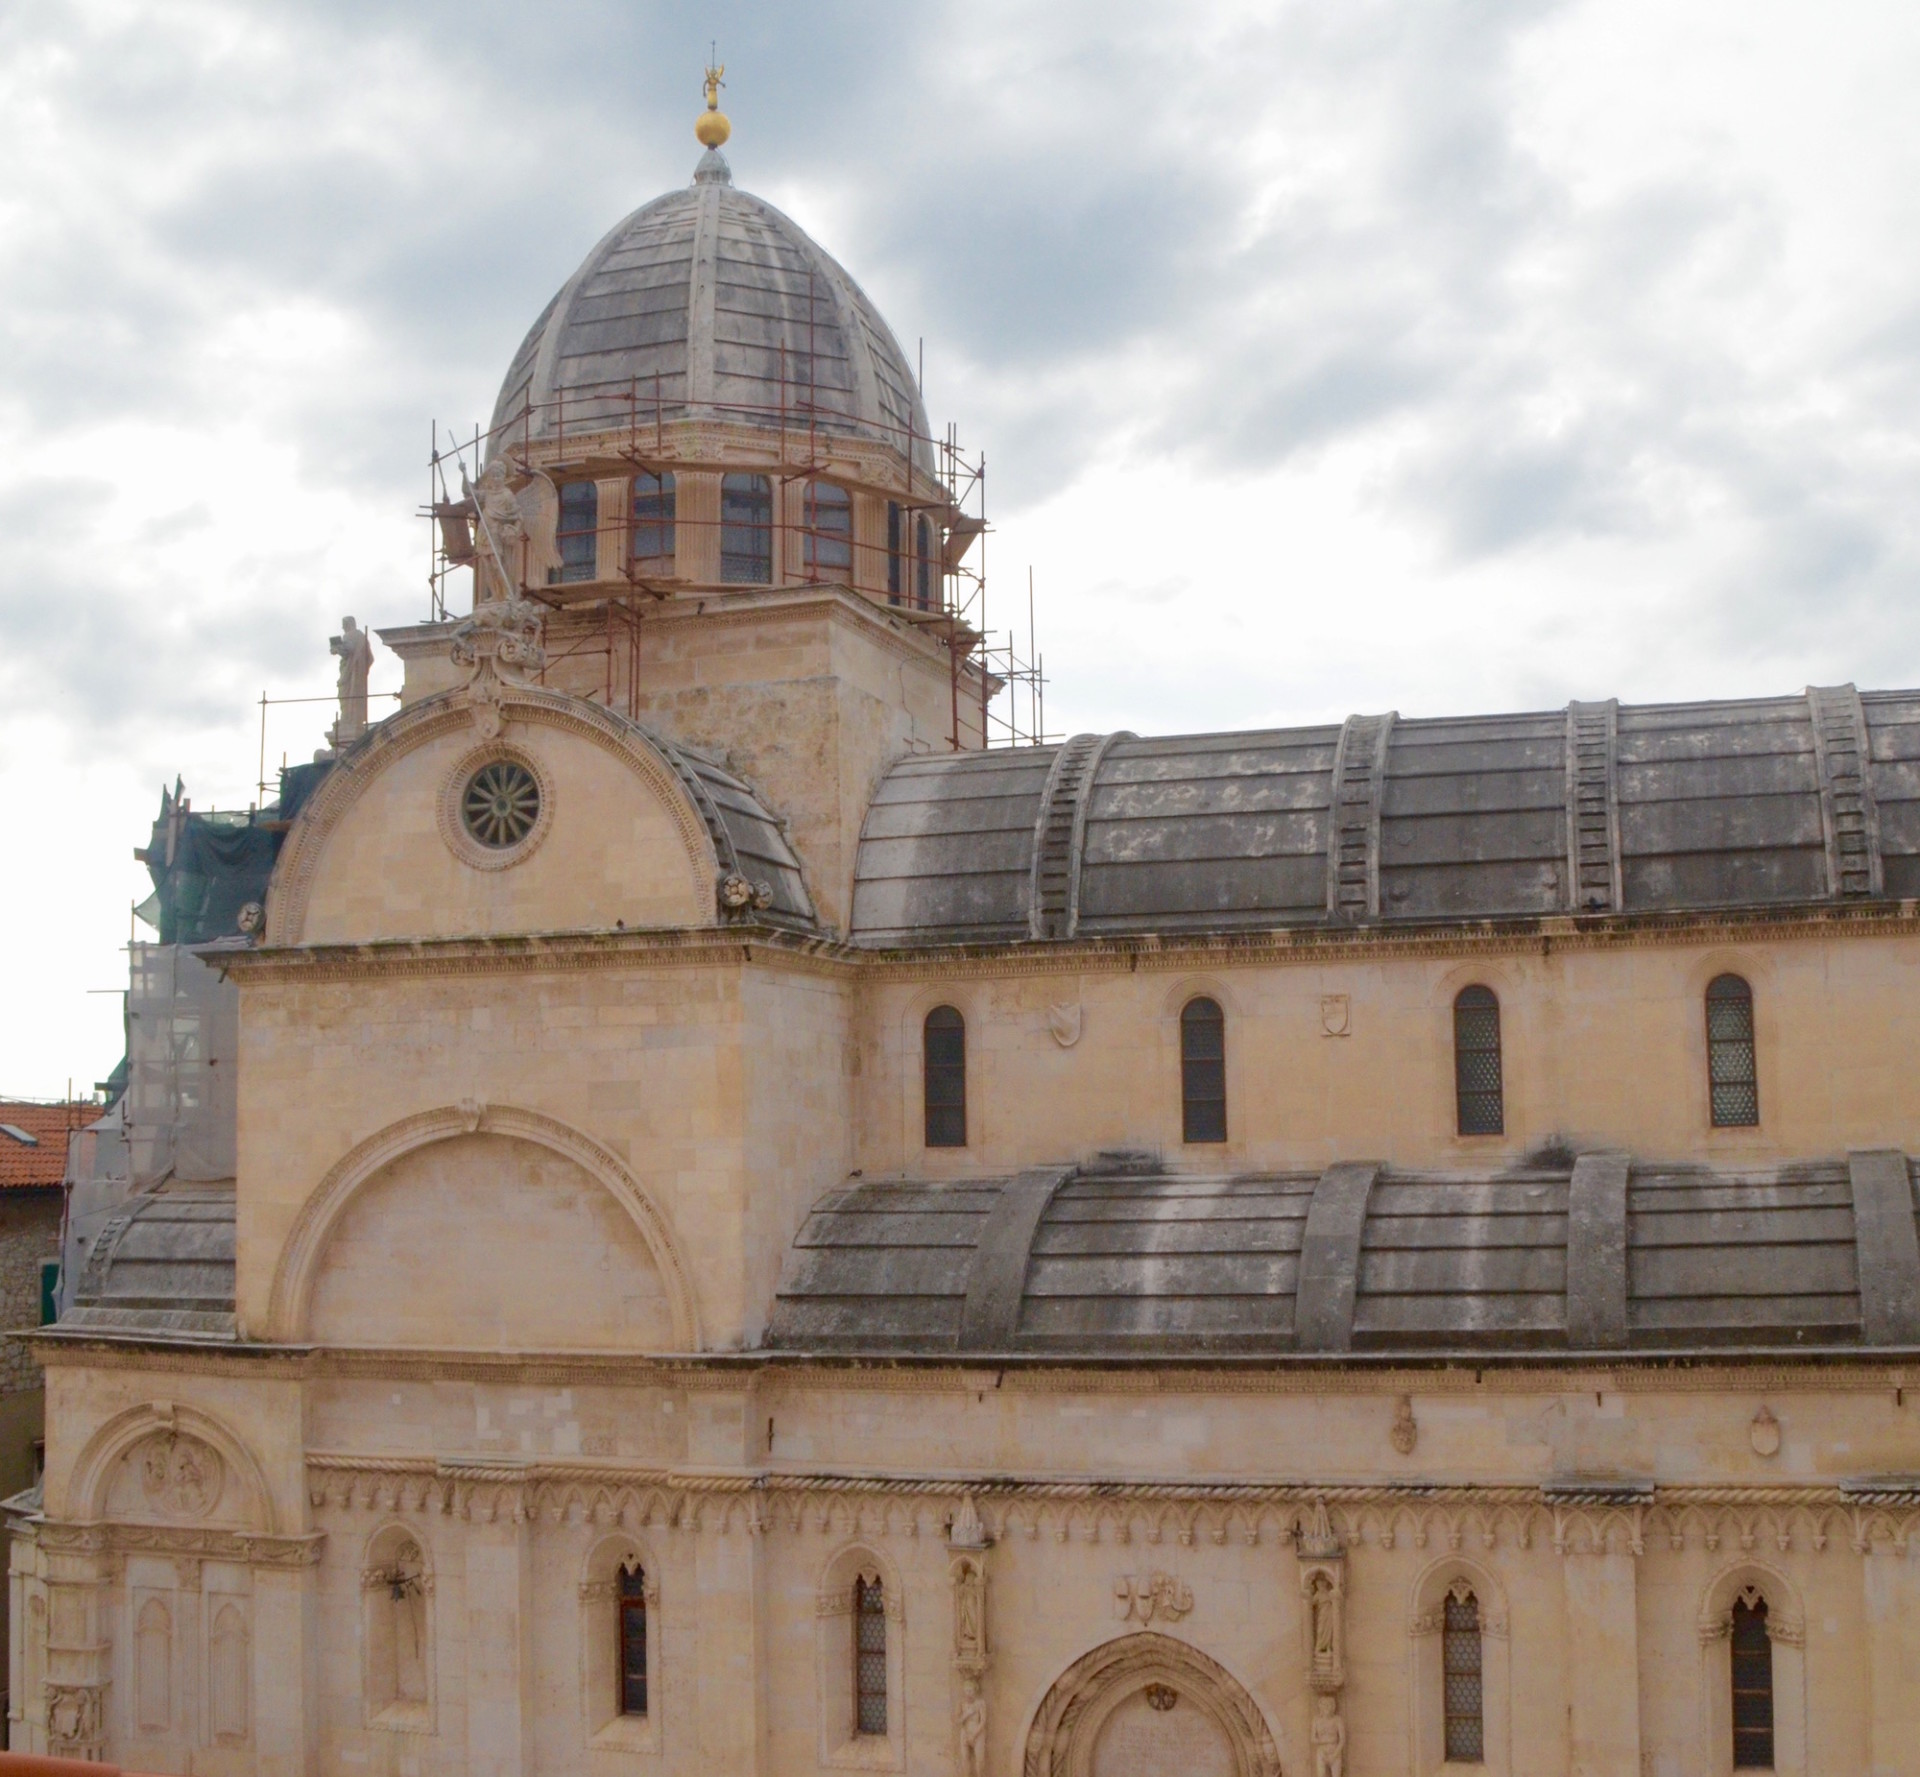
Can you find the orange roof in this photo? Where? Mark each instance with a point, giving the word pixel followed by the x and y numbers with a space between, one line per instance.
pixel 22 1167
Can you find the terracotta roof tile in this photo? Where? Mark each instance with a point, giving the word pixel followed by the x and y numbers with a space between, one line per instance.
pixel 23 1167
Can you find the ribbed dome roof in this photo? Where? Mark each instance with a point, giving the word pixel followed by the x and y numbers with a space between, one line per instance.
pixel 694 296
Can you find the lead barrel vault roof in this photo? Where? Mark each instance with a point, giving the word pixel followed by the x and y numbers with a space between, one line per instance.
pixel 1597 808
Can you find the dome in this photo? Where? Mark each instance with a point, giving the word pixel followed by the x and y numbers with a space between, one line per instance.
pixel 712 303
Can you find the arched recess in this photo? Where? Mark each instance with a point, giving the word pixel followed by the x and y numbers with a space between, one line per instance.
pixel 397 1640
pixel 607 1725
pixel 1156 1675
pixel 240 1496
pixel 842 1746
pixel 293 1277
pixel 1454 1577
pixel 1751 1582
pixel 449 718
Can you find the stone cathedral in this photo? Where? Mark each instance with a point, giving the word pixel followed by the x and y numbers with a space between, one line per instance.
pixel 670 1211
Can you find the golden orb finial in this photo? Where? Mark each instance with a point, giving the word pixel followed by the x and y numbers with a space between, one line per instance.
pixel 712 128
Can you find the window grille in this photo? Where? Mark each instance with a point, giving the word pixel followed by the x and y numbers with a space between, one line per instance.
pixel 1479 1097
pixel 633 1641
pixel 1203 1072
pixel 828 536
pixel 923 565
pixel 1732 1085
pixel 1752 1688
pixel 579 531
pixel 1460 1675
pixel 869 1658
pixel 944 1073
pixel 651 531
pixel 746 530
pixel 896 544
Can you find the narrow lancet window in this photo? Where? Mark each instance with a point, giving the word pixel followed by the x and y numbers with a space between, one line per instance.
pixel 896 544
pixel 869 1657
pixel 633 1641
pixel 1733 1085
pixel 944 1073
pixel 1460 1674
pixel 1752 1687
pixel 829 531
pixel 652 524
pixel 1203 1071
pixel 923 565
pixel 746 530
pixel 1479 1096
pixel 579 533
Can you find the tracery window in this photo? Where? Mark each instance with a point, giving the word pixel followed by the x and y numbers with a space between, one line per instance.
pixel 1479 1094
pixel 828 534
pixel 579 532
pixel 944 1077
pixel 869 1657
pixel 651 524
pixel 1203 1071
pixel 1463 1702
pixel 923 565
pixel 1752 1687
pixel 746 530
pixel 1733 1087
pixel 632 1604
pixel 896 543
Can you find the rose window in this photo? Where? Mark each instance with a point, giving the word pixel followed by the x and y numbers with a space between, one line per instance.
pixel 500 804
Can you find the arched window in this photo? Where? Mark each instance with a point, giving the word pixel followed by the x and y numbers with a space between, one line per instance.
pixel 828 535
pixel 869 1657
pixel 923 565
pixel 1463 1702
pixel 651 528
pixel 1479 1100
pixel 579 534
pixel 1733 1089
pixel 896 544
pixel 633 1640
pixel 746 530
pixel 944 1077
pixel 1752 1687
pixel 1203 1071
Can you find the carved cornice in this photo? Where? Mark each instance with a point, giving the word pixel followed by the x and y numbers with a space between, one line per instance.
pixel 194 1542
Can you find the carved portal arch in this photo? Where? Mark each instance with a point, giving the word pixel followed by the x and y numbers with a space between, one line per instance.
pixel 293 1278
pixel 1168 1675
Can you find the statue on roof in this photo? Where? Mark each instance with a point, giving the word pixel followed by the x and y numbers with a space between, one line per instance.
pixel 354 649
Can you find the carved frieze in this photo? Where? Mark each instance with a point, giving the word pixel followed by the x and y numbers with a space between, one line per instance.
pixel 1151 1597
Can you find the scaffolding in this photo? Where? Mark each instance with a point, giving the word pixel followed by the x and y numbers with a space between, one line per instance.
pixel 812 454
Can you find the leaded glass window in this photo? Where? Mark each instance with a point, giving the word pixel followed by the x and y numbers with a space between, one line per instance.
pixel 652 523
pixel 633 1641
pixel 1460 1675
pixel 1752 1687
pixel 579 531
pixel 944 1072
pixel 1733 1086
pixel 746 530
pixel 1203 1071
pixel 829 529
pixel 1479 1098
pixel 869 1658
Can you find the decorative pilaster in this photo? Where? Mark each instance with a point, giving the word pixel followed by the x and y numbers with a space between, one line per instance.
pixel 968 1540
pixel 1323 1590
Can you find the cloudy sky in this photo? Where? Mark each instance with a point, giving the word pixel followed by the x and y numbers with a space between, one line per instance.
pixel 1328 355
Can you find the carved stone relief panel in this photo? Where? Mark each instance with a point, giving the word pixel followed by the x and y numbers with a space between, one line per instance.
pixel 1158 1730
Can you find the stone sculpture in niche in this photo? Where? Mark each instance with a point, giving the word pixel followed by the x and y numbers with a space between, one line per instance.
pixel 180 1475
pixel 1323 1588
pixel 967 1538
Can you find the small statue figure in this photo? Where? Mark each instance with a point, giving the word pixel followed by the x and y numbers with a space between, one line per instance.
pixel 354 649
pixel 973 1728
pixel 1323 1630
pixel 502 535
pixel 1329 1738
